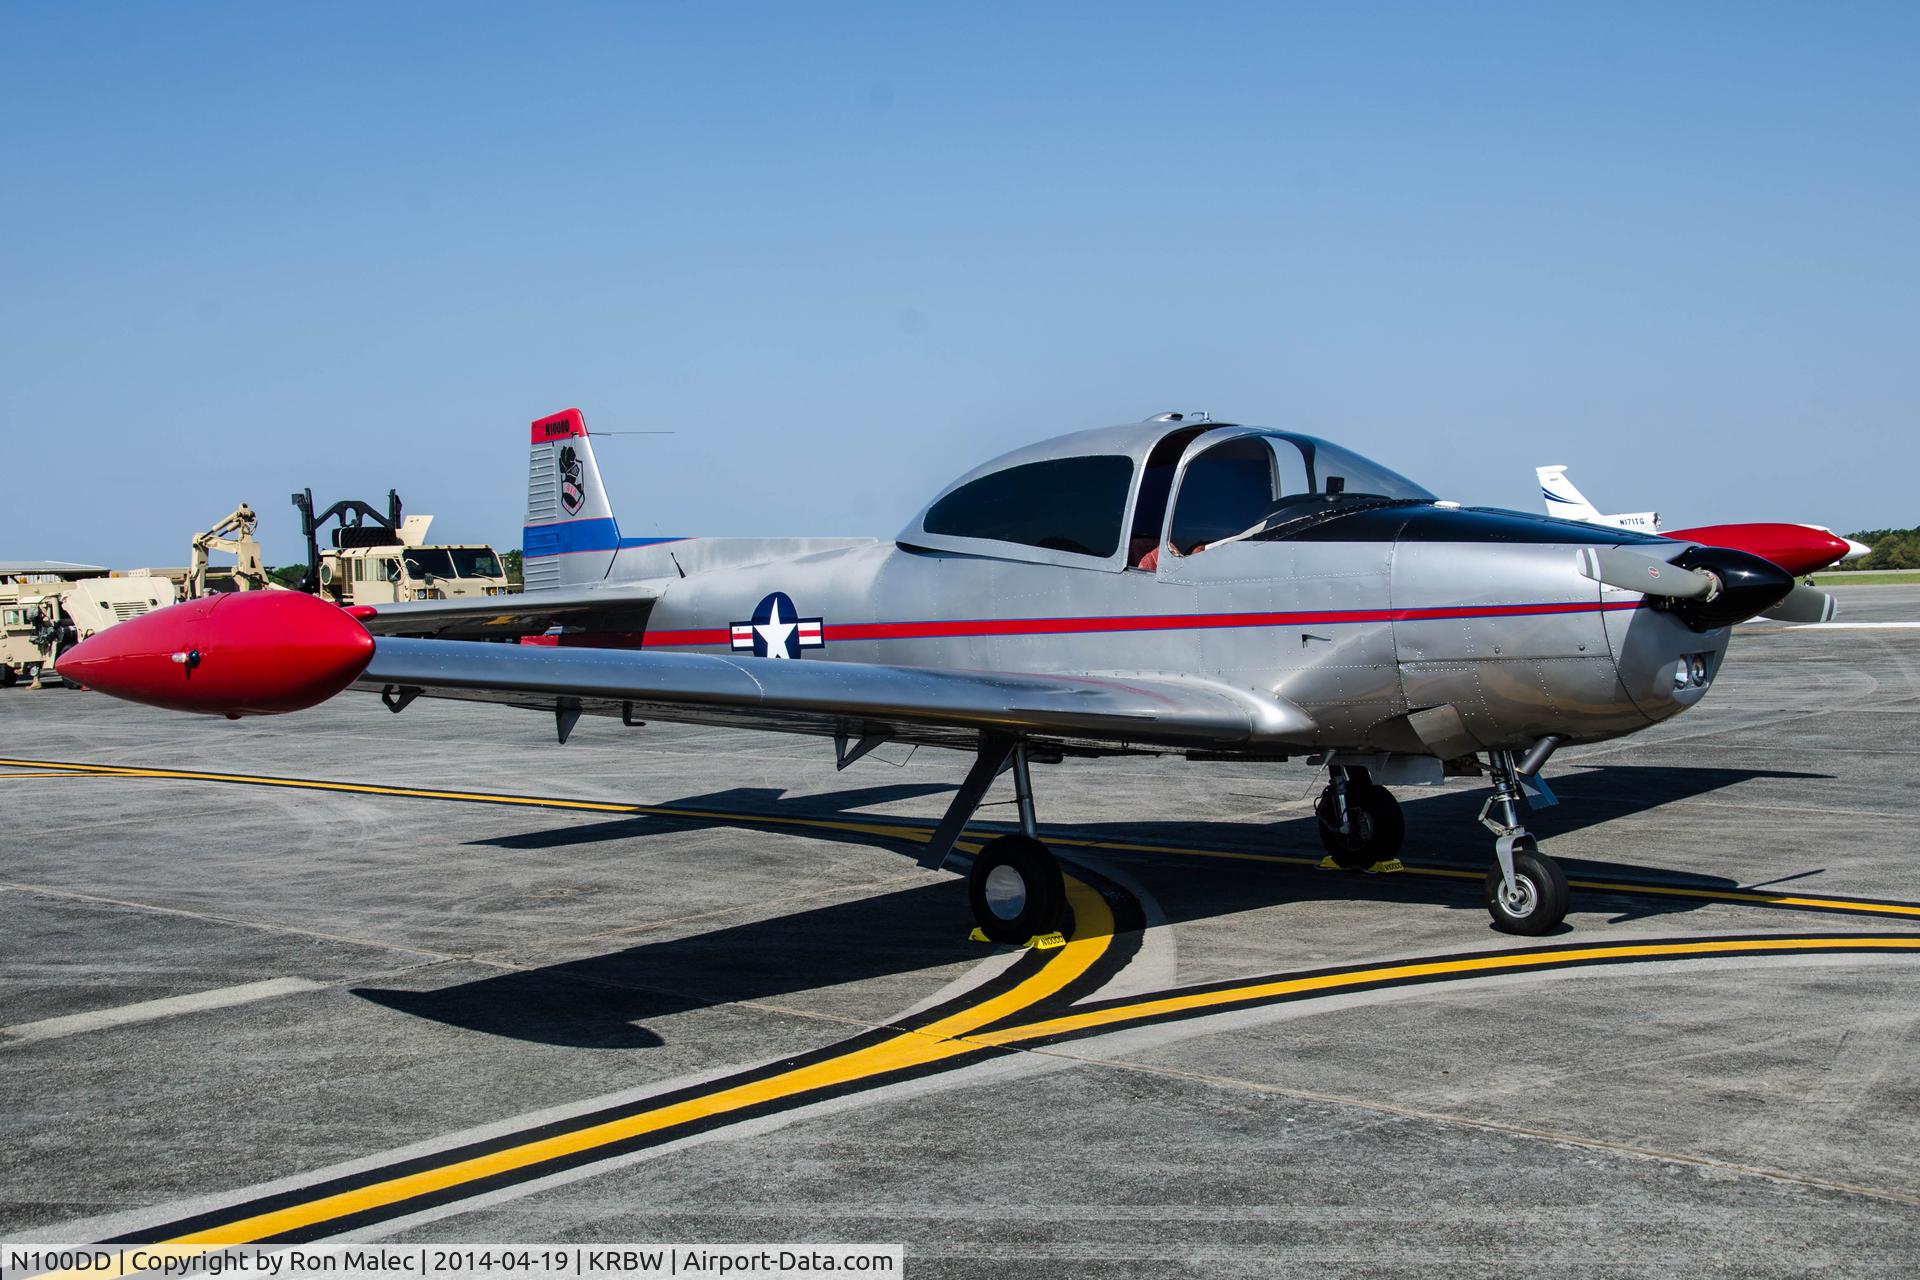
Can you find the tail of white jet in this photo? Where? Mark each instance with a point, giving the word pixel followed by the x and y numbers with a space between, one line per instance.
pixel 1566 502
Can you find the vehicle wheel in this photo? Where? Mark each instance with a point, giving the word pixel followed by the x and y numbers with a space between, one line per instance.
pixel 8 677
pixel 1015 889
pixel 1376 832
pixel 1540 897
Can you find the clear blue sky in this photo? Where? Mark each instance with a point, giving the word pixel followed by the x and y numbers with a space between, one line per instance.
pixel 845 251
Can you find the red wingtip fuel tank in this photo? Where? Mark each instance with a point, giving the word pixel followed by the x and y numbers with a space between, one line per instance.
pixel 254 653
pixel 1797 548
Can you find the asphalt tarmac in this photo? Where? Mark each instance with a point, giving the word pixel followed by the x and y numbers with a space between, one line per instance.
pixel 432 976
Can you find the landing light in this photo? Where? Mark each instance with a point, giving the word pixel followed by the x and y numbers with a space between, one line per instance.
pixel 1690 672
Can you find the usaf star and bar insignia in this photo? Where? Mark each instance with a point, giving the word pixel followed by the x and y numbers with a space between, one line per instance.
pixel 777 630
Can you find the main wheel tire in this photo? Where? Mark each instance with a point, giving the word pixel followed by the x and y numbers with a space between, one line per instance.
pixel 1539 901
pixel 1376 827
pixel 1015 889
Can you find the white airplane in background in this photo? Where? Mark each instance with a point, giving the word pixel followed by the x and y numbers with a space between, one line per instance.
pixel 1797 548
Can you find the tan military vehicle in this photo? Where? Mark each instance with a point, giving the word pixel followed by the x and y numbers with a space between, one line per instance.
pixel 23 584
pixel 48 608
pixel 390 565
pixel 234 535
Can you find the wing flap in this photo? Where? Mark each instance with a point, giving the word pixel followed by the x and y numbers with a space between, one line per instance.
pixel 916 703
pixel 598 606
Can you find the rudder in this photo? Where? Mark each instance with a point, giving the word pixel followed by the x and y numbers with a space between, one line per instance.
pixel 1563 500
pixel 570 534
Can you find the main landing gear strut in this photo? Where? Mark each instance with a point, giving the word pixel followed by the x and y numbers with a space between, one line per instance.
pixel 1015 888
pixel 1360 823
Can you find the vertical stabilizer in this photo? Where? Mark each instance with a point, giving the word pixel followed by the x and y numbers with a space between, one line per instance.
pixel 1567 503
pixel 1563 500
pixel 570 535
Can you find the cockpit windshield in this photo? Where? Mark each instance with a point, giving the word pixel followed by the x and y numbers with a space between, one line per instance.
pixel 1250 485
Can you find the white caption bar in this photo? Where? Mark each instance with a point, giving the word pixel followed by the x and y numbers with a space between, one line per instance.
pixel 18 1261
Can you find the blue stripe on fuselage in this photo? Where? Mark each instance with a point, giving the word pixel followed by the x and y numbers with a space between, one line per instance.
pixel 574 536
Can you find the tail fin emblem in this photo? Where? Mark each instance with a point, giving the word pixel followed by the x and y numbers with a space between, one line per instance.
pixel 573 485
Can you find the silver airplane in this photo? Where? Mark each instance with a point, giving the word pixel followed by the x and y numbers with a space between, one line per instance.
pixel 1172 586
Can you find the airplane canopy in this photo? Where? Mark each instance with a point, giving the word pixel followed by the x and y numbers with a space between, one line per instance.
pixel 1099 498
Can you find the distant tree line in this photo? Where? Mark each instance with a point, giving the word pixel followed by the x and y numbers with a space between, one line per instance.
pixel 1892 549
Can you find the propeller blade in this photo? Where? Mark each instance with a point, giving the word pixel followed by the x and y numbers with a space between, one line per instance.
pixel 1636 571
pixel 1804 604
pixel 1709 586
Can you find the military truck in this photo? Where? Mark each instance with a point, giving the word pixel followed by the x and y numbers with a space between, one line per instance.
pixel 381 559
pixel 23 584
pixel 48 608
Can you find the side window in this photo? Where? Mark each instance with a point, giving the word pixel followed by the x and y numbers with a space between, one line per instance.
pixel 1228 488
pixel 1234 486
pixel 1062 504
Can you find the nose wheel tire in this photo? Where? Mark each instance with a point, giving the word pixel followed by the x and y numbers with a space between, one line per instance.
pixel 1537 902
pixel 1016 890
pixel 1375 826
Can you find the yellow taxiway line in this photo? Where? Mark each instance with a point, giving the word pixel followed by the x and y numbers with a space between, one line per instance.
pixel 1155 1008
pixel 960 1035
pixel 991 1024
pixel 945 1038
pixel 918 834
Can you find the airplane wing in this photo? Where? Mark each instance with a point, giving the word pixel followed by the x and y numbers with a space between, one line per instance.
pixel 909 704
pixel 267 652
pixel 599 606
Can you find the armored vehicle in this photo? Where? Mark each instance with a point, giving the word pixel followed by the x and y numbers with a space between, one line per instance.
pixel 381 558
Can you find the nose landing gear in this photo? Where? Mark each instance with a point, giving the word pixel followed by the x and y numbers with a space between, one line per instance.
pixel 1526 891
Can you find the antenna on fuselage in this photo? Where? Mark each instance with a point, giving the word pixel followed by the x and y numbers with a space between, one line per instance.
pixel 1200 416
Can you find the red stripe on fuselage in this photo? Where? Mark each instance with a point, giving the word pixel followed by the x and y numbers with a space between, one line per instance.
pixel 956 628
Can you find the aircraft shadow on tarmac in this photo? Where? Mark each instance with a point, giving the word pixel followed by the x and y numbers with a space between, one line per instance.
pixel 603 1001
pixel 598 1001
